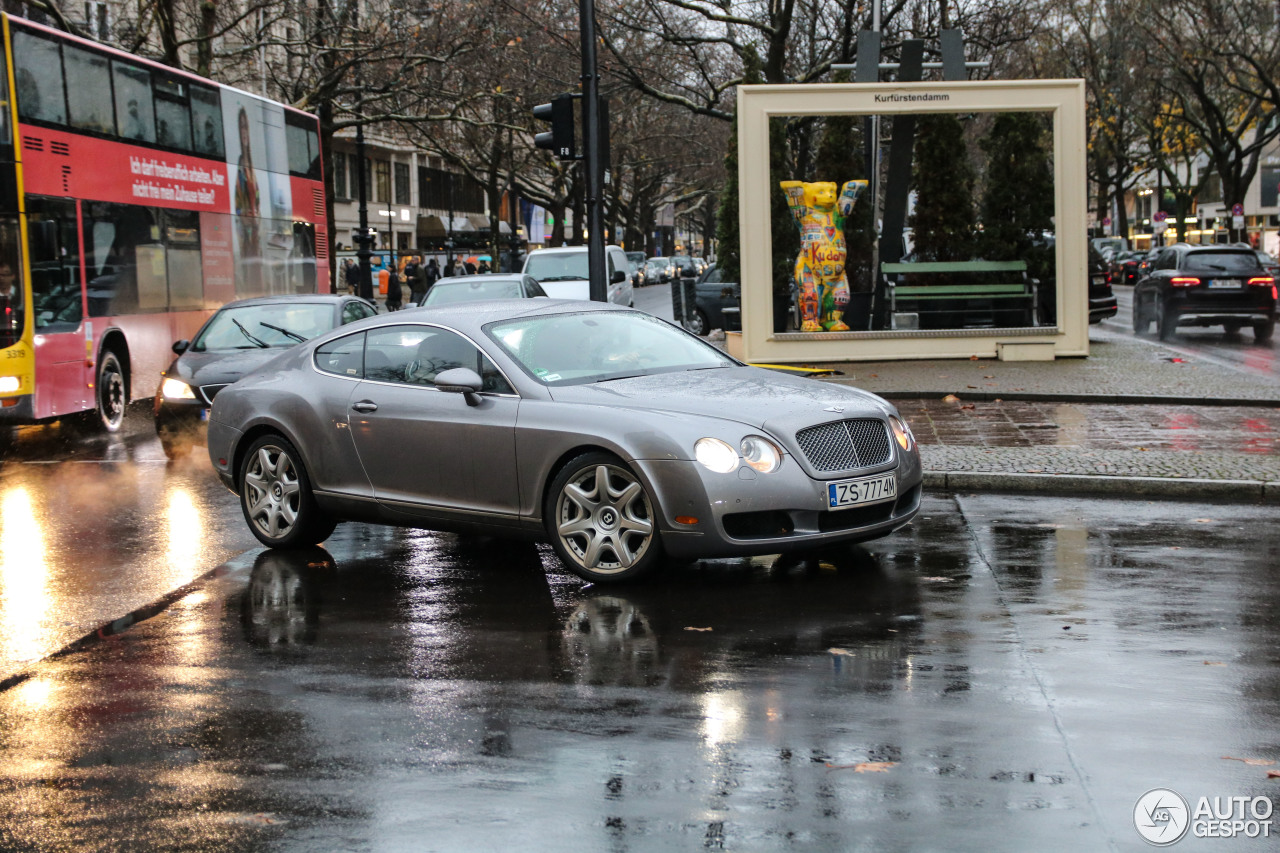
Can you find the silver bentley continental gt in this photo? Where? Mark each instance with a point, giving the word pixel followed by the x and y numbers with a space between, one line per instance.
pixel 616 436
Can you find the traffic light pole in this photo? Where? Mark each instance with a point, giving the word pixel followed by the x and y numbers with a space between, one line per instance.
pixel 592 154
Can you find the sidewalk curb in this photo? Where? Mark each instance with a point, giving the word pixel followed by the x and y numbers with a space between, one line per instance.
pixel 1239 491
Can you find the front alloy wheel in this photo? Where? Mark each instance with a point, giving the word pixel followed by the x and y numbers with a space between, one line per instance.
pixel 275 495
pixel 601 520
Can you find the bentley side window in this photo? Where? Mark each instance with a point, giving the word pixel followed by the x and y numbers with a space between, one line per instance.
pixel 343 356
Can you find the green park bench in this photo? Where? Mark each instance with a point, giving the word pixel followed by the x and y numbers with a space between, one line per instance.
pixel 971 293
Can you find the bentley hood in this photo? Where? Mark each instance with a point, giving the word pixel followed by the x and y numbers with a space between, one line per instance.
pixel 763 399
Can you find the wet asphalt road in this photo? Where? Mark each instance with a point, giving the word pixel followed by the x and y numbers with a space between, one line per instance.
pixel 1004 674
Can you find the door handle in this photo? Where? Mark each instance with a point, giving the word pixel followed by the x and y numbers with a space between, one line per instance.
pixel 365 406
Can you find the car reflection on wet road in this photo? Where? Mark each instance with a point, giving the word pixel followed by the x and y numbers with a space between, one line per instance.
pixel 1004 674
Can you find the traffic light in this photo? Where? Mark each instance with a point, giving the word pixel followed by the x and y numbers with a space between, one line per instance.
pixel 561 138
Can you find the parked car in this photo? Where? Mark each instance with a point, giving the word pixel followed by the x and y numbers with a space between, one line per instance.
pixel 1268 262
pixel 1207 285
pixel 683 266
pixel 657 270
pixel 1102 299
pixel 1124 267
pixel 239 338
pixel 615 435
pixel 564 273
pixel 478 288
pixel 637 270
pixel 1144 265
pixel 711 297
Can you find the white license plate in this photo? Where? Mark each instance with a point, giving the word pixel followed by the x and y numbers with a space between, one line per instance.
pixel 865 490
pixel 1226 284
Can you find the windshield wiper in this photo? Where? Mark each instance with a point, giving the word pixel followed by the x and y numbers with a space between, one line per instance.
pixel 563 278
pixel 247 334
pixel 297 337
pixel 624 376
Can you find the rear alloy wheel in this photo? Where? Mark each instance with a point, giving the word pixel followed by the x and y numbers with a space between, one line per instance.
pixel 601 520
pixel 276 497
pixel 1166 322
pixel 110 397
pixel 1141 319
pixel 698 323
pixel 1263 330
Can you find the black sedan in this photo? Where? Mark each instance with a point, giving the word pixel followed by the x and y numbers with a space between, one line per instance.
pixel 480 288
pixel 1208 285
pixel 711 297
pixel 238 339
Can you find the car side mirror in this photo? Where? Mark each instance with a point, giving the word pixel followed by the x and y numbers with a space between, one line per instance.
pixel 179 347
pixel 618 277
pixel 461 380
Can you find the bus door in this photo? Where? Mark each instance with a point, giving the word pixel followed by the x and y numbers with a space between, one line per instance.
pixel 64 353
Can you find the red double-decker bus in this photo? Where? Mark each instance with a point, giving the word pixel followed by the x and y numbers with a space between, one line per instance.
pixel 135 199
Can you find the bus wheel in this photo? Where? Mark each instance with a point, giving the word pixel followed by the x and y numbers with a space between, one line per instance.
pixel 110 396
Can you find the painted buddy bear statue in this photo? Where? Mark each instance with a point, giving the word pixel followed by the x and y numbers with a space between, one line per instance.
pixel 820 215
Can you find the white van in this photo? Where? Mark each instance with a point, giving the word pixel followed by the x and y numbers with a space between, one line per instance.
pixel 563 273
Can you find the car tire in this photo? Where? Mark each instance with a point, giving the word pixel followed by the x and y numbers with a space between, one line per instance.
pixel 176 448
pixel 601 520
pixel 1166 322
pixel 110 397
pixel 1263 330
pixel 276 496
pixel 698 324
pixel 1141 319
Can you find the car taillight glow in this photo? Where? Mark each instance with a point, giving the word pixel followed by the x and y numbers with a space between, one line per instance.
pixel 1184 281
pixel 1262 281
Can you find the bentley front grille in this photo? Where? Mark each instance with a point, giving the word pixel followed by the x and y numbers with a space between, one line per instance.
pixel 844 445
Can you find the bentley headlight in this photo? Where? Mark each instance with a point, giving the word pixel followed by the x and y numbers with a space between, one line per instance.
pixel 902 433
pixel 716 455
pixel 761 454
pixel 175 389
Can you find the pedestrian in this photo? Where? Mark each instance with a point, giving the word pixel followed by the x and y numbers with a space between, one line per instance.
pixel 417 282
pixel 484 267
pixel 395 297
pixel 430 276
pixel 451 268
pixel 10 304
pixel 470 267
pixel 351 272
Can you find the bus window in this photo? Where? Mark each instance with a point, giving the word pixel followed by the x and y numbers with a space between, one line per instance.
pixel 173 115
pixel 88 90
pixel 121 243
pixel 11 307
pixel 206 119
pixel 37 66
pixel 53 250
pixel 182 250
pixel 304 148
pixel 135 113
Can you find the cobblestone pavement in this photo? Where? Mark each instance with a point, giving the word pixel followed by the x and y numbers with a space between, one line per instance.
pixel 1118 369
pixel 1147 441
pixel 1135 417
